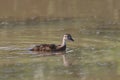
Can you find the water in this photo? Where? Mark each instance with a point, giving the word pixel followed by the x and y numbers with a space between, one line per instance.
pixel 94 55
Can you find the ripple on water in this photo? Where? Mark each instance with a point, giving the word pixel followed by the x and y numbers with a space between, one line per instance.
pixel 12 48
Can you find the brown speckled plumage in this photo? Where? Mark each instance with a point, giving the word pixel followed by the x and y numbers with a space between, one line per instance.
pixel 53 47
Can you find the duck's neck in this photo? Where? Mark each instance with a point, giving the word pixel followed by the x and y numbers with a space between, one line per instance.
pixel 63 42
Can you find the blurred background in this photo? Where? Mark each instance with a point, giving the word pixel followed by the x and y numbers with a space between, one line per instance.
pixel 93 24
pixel 17 10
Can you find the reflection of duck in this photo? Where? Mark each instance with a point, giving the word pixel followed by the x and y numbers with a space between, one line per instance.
pixel 66 62
pixel 53 47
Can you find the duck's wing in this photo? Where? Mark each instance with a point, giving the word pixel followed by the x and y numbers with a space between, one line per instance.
pixel 44 47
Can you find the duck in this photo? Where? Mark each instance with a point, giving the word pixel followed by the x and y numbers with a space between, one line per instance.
pixel 53 47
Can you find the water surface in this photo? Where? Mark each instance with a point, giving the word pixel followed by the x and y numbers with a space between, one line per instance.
pixel 93 56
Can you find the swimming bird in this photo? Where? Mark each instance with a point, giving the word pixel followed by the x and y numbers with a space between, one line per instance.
pixel 53 47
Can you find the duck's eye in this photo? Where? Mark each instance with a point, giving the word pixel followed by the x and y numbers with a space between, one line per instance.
pixel 69 37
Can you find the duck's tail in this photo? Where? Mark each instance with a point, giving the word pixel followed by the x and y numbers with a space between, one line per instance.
pixel 31 49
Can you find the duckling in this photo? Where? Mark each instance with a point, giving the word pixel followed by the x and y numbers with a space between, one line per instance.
pixel 53 47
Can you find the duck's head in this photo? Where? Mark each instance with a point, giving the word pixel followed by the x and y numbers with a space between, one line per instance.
pixel 68 37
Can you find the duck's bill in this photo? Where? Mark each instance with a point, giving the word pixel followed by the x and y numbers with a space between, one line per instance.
pixel 71 39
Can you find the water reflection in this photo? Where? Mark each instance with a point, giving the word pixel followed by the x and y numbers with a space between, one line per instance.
pixel 63 54
pixel 66 62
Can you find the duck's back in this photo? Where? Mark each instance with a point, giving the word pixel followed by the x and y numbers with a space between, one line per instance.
pixel 44 47
pixel 48 47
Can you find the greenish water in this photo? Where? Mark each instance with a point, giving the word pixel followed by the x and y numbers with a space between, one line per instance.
pixel 94 55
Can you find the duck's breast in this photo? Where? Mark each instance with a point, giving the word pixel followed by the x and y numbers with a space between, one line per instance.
pixel 61 48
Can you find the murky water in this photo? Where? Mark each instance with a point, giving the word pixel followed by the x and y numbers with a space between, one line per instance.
pixel 95 54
